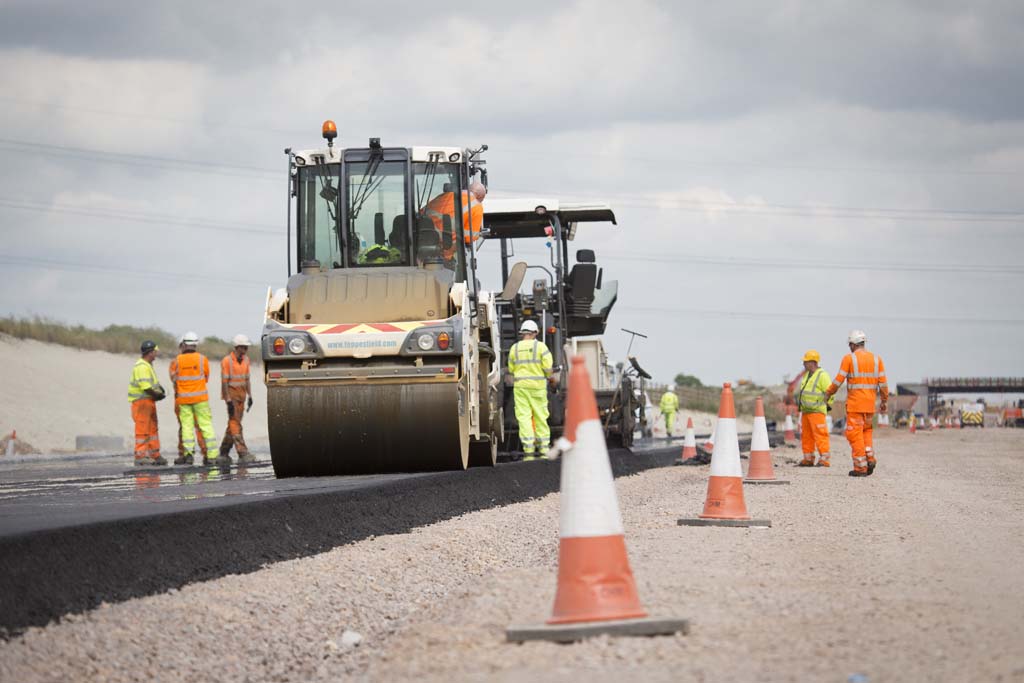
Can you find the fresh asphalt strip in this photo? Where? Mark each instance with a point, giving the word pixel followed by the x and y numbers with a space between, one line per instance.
pixel 47 574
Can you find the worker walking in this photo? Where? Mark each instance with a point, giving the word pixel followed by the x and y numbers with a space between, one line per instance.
pixel 200 441
pixel 144 391
pixel 866 373
pixel 531 367
pixel 190 372
pixel 236 392
pixel 813 405
pixel 669 405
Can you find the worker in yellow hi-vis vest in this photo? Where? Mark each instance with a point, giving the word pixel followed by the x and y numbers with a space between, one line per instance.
pixel 668 405
pixel 531 366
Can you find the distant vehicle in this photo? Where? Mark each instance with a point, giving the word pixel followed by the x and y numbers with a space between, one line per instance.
pixel 1014 416
pixel 972 415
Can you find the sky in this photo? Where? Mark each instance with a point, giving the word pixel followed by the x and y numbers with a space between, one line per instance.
pixel 782 172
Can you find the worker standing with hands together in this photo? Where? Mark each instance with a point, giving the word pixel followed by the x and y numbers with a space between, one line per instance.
pixel 531 367
pixel 813 404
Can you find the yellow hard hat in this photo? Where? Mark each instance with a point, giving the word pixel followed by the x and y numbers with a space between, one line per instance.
pixel 812 355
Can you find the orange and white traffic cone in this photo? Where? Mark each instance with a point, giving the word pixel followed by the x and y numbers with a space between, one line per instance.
pixel 724 505
pixel 789 436
pixel 689 442
pixel 913 424
pixel 760 470
pixel 596 591
pixel 709 444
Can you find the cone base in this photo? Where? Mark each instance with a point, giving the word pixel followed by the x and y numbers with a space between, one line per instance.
pixel 765 481
pixel 702 521
pixel 569 633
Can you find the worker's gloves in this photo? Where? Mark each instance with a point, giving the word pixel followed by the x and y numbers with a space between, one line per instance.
pixel 249 406
pixel 231 409
pixel 157 393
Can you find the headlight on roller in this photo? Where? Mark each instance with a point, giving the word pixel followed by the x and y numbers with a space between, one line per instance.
pixel 297 345
pixel 425 341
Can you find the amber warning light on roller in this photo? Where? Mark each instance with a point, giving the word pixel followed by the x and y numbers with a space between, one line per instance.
pixel 330 131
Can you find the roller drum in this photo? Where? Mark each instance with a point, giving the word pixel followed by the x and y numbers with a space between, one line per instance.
pixel 330 429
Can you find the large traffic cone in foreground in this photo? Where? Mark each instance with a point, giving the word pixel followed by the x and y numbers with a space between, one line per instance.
pixel 689 442
pixel 789 437
pixel 761 470
pixel 596 592
pixel 725 505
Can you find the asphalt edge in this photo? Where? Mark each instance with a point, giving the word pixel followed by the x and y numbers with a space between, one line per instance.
pixel 71 570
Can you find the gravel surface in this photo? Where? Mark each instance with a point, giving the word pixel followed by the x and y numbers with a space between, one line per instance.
pixel 912 574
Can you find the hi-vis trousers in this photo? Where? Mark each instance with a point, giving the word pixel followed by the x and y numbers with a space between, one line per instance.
pixel 190 415
pixel 859 433
pixel 532 416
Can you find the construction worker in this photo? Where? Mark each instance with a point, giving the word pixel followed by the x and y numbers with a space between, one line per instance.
pixel 530 365
pixel 866 373
pixel 144 391
pixel 669 405
pixel 380 254
pixel 472 213
pixel 236 392
pixel 190 372
pixel 813 405
pixel 200 441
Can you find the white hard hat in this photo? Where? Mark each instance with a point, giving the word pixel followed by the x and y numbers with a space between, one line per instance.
pixel 189 338
pixel 857 337
pixel 241 340
pixel 529 326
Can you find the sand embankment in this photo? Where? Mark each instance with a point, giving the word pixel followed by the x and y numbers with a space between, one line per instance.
pixel 50 394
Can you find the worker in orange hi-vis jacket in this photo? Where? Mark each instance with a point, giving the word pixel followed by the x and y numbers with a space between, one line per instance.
pixel 200 443
pixel 865 375
pixel 472 214
pixel 235 390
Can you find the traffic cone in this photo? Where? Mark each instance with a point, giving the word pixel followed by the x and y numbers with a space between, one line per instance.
pixel 596 591
pixel 761 470
pixel 789 437
pixel 689 442
pixel 913 424
pixel 724 505
pixel 709 444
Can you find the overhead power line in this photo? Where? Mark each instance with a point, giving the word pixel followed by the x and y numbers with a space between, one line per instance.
pixel 138 274
pixel 790 264
pixel 140 217
pixel 633 200
pixel 816 317
pixel 144 160
pixel 675 160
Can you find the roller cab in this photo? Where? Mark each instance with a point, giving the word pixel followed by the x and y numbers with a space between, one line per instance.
pixel 379 353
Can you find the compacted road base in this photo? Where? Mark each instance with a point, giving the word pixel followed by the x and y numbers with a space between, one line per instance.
pixel 912 574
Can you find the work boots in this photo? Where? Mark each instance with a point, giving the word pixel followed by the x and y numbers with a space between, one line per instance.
pixel 184 459
pixel 871 466
pixel 223 460
pixel 859 473
pixel 246 458
pixel 806 462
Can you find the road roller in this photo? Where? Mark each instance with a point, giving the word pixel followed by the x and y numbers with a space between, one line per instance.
pixel 380 354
